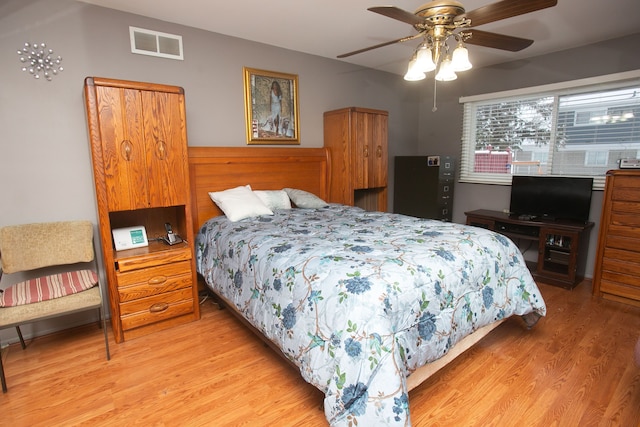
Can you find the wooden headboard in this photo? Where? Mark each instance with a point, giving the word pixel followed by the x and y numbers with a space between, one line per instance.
pixel 264 168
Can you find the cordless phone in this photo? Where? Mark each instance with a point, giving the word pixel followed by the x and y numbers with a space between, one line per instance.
pixel 171 238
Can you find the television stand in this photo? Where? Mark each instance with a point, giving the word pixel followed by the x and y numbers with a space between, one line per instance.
pixel 562 245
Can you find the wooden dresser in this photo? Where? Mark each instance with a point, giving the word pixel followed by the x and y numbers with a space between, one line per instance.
pixel 357 142
pixel 617 270
pixel 140 164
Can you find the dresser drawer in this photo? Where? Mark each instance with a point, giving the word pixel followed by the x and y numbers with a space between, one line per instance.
pixel 625 219
pixel 625 207
pixel 172 283
pixel 145 311
pixel 624 193
pixel 154 280
pixel 623 231
pixel 621 289
pixel 137 261
pixel 622 260
pixel 153 274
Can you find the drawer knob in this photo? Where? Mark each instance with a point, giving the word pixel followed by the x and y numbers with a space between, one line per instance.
pixel 157 280
pixel 158 307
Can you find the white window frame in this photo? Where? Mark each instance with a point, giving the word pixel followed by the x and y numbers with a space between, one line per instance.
pixel 557 89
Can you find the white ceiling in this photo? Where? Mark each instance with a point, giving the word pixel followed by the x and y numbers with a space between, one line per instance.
pixel 331 27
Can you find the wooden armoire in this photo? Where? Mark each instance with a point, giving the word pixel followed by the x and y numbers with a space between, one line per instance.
pixel 357 142
pixel 138 142
pixel 617 271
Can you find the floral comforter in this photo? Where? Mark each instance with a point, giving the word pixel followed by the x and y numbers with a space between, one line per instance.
pixel 358 300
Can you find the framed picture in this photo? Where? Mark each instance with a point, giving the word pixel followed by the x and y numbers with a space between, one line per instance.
pixel 271 107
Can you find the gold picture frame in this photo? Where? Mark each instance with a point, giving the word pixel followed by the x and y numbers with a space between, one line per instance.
pixel 271 107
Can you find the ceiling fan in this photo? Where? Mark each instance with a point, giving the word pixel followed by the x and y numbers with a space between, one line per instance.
pixel 440 20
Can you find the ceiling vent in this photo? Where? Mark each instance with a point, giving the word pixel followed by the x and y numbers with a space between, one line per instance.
pixel 155 43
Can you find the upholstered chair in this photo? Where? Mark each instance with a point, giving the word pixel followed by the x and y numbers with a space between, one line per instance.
pixel 57 271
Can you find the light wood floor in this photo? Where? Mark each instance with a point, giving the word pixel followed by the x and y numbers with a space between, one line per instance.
pixel 574 368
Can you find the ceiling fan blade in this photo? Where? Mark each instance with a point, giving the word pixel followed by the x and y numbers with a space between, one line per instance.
pixel 398 14
pixel 355 52
pixel 506 9
pixel 497 41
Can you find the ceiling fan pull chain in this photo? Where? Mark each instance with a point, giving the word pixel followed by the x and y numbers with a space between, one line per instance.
pixel 435 83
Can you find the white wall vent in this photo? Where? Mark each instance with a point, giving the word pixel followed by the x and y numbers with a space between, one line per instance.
pixel 155 43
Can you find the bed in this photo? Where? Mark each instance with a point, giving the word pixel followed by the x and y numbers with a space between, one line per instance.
pixel 365 304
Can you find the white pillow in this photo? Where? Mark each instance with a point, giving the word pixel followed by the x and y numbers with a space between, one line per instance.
pixel 274 199
pixel 304 199
pixel 239 203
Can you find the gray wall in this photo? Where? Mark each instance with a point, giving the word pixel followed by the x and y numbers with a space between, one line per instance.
pixel 45 166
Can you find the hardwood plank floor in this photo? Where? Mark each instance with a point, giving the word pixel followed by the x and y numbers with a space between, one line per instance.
pixel 575 367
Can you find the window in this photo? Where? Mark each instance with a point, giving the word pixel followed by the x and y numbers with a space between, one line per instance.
pixel 586 118
pixel 596 158
pixel 580 128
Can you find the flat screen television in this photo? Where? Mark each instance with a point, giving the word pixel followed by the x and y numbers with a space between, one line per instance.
pixel 551 197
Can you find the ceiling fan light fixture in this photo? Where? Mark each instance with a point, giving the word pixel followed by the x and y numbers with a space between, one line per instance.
pixel 424 59
pixel 413 71
pixel 440 21
pixel 446 72
pixel 460 58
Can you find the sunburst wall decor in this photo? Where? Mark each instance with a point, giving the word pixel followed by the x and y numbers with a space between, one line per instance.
pixel 39 61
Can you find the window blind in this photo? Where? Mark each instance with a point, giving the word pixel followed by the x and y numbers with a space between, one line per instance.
pixel 570 131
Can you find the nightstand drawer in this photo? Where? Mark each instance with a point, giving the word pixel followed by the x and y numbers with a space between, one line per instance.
pixel 145 311
pixel 154 286
pixel 136 259
pixel 154 276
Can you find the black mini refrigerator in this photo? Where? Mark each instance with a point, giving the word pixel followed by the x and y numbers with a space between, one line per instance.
pixel 423 186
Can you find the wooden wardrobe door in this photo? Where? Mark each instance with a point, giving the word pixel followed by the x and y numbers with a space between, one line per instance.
pixel 362 149
pixel 166 148
pixel 370 150
pixel 123 148
pixel 378 148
